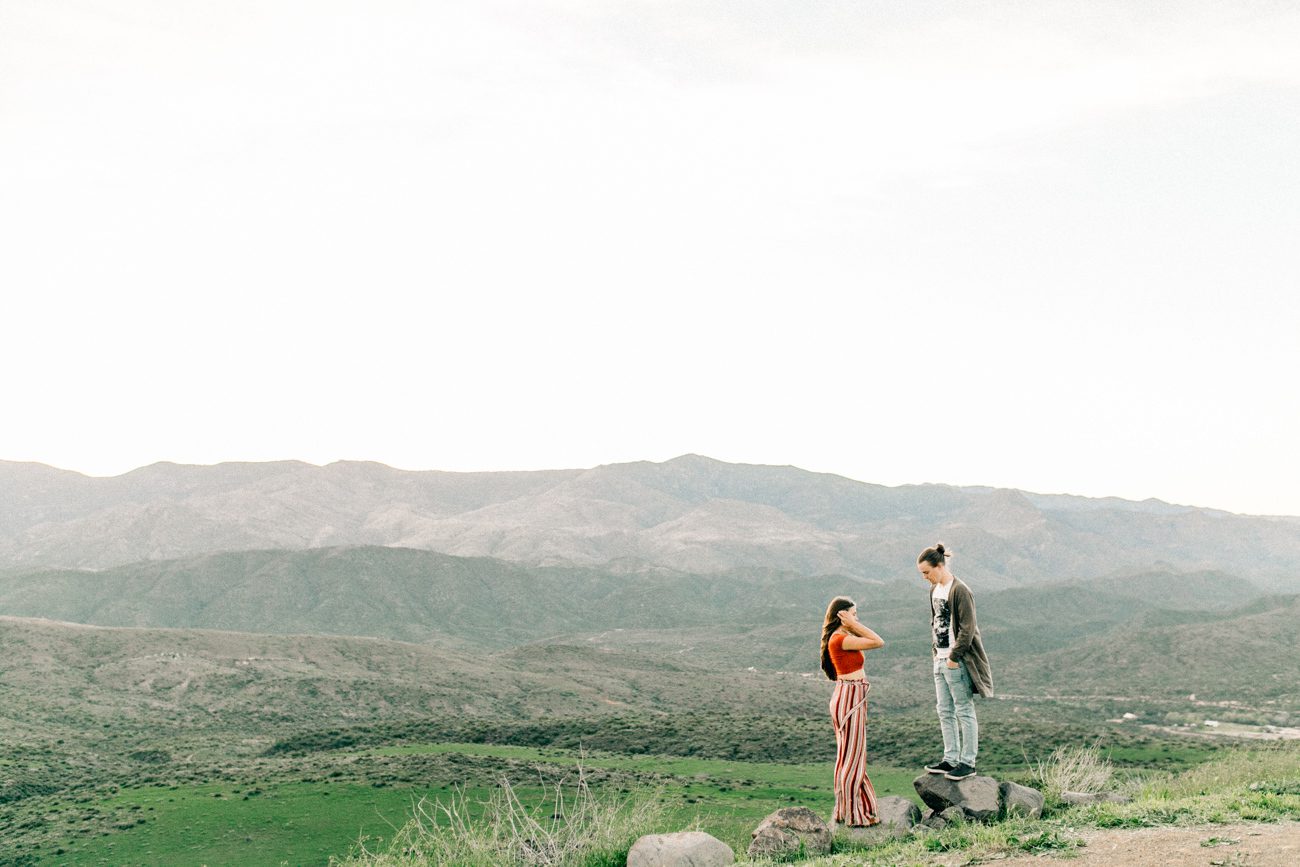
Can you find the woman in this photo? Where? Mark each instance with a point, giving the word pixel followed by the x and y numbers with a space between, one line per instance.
pixel 843 641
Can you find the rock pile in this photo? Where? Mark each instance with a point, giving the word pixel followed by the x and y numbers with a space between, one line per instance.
pixel 980 799
pixel 799 832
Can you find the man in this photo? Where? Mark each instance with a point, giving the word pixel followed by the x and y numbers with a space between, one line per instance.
pixel 960 666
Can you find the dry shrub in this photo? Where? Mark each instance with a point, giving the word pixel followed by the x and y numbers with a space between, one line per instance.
pixel 1073 769
pixel 572 825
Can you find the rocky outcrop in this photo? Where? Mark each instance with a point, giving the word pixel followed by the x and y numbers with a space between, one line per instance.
pixel 979 798
pixel 684 849
pixel 798 831
pixel 791 831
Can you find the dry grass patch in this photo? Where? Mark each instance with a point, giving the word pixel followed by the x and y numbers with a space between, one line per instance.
pixel 1073 769
pixel 571 826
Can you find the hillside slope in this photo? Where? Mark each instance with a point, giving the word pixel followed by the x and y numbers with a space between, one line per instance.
pixel 65 676
pixel 1157 634
pixel 409 595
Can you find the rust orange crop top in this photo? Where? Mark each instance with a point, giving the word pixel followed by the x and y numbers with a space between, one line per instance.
pixel 845 661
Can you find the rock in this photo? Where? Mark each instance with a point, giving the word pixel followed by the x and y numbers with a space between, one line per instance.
pixel 978 797
pixel 1018 800
pixel 897 816
pixel 953 816
pixel 933 821
pixel 1075 799
pixel 684 849
pixel 938 821
pixel 791 831
pixel 898 812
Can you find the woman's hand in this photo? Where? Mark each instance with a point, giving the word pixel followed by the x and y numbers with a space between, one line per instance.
pixel 861 638
pixel 952 664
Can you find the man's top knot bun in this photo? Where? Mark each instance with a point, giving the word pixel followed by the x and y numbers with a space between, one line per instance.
pixel 935 556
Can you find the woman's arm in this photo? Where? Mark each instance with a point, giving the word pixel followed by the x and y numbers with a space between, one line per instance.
pixel 862 637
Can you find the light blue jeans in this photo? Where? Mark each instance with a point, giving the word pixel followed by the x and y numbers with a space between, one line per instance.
pixel 961 732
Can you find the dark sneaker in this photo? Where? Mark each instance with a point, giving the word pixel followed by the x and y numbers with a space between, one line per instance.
pixel 960 772
pixel 940 768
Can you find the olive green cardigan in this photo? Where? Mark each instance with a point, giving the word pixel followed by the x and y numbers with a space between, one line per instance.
pixel 966 644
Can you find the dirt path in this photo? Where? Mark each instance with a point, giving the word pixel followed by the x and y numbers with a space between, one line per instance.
pixel 1207 846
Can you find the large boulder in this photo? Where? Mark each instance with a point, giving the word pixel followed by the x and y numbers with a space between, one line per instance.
pixel 901 812
pixel 978 797
pixel 897 816
pixel 1018 800
pixel 1075 799
pixel 791 831
pixel 684 849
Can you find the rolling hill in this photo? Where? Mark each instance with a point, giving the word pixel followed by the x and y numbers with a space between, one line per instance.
pixel 409 595
pixel 167 682
pixel 1134 634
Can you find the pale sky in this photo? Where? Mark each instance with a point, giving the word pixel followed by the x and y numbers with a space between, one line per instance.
pixel 1042 245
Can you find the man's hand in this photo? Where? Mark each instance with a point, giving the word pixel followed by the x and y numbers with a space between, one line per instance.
pixel 952 664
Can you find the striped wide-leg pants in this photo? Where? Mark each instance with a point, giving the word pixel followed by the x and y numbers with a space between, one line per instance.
pixel 855 799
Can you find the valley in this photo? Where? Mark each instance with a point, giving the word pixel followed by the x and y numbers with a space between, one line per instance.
pixel 259 705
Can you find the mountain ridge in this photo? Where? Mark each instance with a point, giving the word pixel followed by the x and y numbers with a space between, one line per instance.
pixel 692 514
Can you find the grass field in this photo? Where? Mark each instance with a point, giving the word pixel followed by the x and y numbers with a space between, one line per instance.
pixel 226 799
pixel 725 798
pixel 307 822
pixel 298 823
pixel 1248 784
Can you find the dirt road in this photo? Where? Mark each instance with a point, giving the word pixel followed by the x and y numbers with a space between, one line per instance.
pixel 1206 846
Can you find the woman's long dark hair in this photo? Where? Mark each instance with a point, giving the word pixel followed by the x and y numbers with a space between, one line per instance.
pixel 838 604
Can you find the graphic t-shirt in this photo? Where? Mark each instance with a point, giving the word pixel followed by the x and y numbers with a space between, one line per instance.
pixel 941 619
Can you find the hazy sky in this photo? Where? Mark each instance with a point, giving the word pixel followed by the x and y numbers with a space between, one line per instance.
pixel 1041 245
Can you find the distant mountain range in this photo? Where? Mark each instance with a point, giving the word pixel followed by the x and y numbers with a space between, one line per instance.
pixel 688 515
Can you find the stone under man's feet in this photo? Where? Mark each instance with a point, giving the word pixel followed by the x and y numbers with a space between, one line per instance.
pixel 961 772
